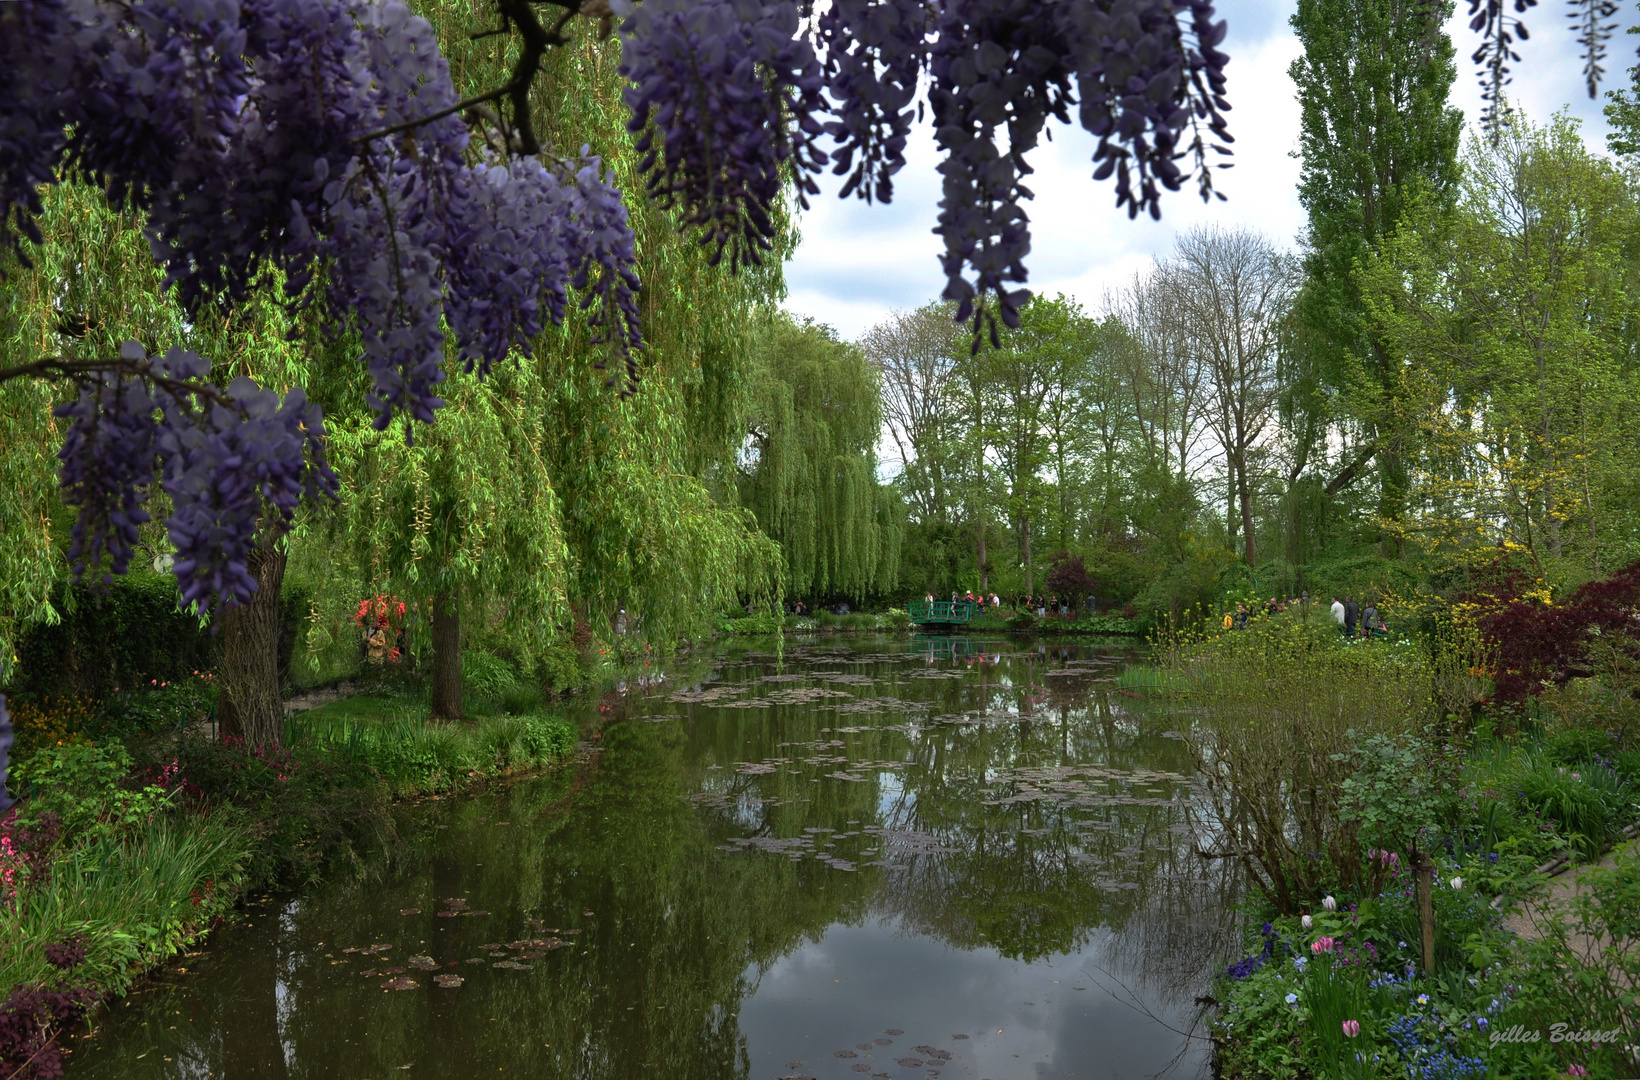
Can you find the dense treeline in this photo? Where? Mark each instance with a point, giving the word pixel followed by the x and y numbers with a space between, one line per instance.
pixel 1442 377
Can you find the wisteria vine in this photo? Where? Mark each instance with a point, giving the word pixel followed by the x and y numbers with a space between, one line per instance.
pixel 279 137
pixel 283 135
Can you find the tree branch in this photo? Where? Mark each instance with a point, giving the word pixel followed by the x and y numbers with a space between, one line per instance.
pixel 536 40
pixel 56 367
pixel 1347 477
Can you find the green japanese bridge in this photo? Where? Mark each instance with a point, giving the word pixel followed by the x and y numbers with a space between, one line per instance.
pixel 942 613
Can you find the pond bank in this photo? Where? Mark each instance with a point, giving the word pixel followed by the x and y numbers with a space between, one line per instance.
pixel 121 859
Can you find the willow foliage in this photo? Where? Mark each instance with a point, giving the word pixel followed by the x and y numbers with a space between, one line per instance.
pixel 467 507
pixel 646 482
pixel 810 467
pixel 91 284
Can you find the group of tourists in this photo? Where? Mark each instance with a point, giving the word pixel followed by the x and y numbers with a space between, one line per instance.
pixel 1355 621
pixel 1041 606
pixel 1351 618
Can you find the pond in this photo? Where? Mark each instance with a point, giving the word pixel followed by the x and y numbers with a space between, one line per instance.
pixel 904 858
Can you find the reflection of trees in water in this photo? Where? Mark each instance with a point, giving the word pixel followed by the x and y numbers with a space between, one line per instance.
pixel 681 928
pixel 1185 928
pixel 1038 875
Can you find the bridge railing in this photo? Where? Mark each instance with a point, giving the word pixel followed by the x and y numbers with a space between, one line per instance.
pixel 942 611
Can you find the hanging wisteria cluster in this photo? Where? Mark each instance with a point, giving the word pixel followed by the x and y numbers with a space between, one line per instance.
pixel 727 100
pixel 288 135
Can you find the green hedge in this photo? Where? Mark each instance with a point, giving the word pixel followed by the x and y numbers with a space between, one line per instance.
pixel 125 633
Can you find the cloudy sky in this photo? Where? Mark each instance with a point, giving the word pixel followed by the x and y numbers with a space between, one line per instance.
pixel 857 263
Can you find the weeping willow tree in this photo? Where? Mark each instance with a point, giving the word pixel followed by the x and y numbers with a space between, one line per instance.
pixel 646 481
pixel 809 466
pixel 464 518
pixel 90 284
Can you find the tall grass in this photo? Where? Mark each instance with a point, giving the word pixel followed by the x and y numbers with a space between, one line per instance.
pixel 133 899
pixel 1270 715
pixel 415 756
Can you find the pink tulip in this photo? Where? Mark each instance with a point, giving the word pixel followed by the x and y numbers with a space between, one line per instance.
pixel 1352 1028
pixel 1576 1070
pixel 1324 944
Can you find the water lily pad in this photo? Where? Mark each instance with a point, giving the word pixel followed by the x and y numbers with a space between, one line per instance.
pixel 864 1046
pixel 511 964
pixel 447 914
pixel 369 974
pixel 910 1063
pixel 880 1041
pixel 860 1067
pixel 423 963
pixel 475 912
pixel 400 984
pixel 409 911
pixel 893 1031
pixel 448 981
pixel 531 955
pixel 456 903
pixel 959 1035
pixel 844 1053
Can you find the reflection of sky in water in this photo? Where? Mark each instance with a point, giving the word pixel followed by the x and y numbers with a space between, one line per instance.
pixel 891 795
pixel 1022 1019
pixel 965 852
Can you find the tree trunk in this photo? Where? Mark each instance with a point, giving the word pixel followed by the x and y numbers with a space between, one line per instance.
pixel 446 656
pixel 250 706
pixel 984 574
pixel 1247 517
pixel 1025 550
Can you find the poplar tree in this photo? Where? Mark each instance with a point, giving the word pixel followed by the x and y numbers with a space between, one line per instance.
pixel 1376 133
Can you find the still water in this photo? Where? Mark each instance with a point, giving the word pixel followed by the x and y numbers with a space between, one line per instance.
pixel 925 858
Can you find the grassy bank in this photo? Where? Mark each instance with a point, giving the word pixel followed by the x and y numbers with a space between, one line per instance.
pixel 1055 626
pixel 1328 767
pixel 130 842
pixel 892 620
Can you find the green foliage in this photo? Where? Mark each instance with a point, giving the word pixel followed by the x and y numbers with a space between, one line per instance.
pixel 84 787
pixel 1269 714
pixel 1587 807
pixel 134 899
pixel 486 675
pixel 1399 793
pixel 416 756
pixel 1508 320
pixel 113 638
pixel 1583 970
pixel 809 467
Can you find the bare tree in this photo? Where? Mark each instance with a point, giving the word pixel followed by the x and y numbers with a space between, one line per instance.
pixel 1163 376
pixel 915 354
pixel 1234 289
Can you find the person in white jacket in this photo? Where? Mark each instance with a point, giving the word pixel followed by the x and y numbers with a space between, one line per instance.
pixel 1338 612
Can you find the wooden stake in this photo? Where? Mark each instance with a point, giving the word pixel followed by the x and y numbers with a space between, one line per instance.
pixel 1424 867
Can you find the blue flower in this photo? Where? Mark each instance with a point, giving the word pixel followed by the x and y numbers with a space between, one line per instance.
pixel 1292 999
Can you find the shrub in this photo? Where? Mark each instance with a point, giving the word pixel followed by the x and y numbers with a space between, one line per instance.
pixel 1269 714
pixel 83 786
pixel 1588 805
pixel 131 900
pixel 1584 968
pixel 486 676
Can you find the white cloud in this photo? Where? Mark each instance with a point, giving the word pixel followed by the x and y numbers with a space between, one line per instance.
pixel 856 263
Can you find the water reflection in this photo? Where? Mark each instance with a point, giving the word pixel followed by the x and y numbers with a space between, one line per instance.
pixel 759 872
